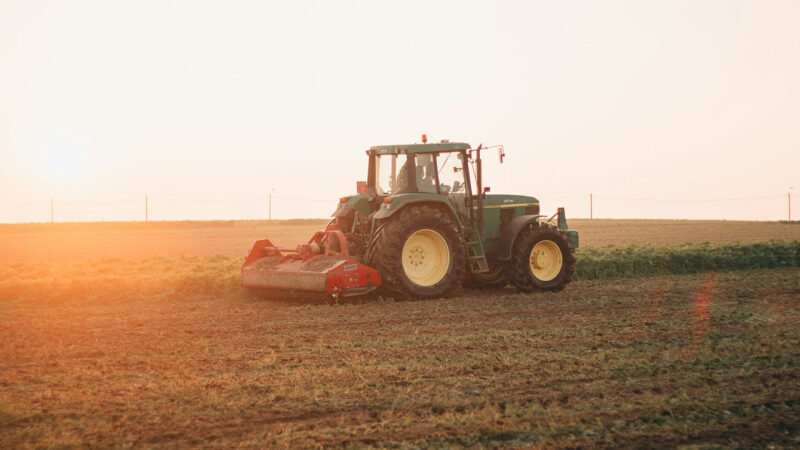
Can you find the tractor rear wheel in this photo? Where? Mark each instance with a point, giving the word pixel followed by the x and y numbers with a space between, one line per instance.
pixel 541 260
pixel 419 253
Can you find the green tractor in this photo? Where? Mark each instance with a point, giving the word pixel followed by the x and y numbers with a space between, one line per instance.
pixel 421 226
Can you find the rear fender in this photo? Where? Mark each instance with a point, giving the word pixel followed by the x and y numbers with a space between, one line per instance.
pixel 399 203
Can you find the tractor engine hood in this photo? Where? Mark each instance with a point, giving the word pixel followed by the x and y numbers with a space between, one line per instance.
pixel 510 201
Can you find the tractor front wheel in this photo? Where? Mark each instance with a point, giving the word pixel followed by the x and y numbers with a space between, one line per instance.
pixel 419 253
pixel 541 260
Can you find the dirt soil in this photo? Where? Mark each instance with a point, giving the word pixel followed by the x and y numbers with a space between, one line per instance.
pixel 139 335
pixel 706 361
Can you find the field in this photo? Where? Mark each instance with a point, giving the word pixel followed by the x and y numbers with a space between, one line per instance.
pixel 134 335
pixel 80 242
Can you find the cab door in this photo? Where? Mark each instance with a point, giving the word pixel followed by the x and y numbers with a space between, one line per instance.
pixel 453 181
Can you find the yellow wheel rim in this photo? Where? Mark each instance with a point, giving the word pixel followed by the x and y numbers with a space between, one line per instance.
pixel 546 260
pixel 426 257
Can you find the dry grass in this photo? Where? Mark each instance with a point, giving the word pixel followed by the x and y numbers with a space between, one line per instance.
pixel 665 233
pixel 69 243
pixel 702 360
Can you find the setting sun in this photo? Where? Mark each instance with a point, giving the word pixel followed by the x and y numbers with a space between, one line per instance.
pixel 65 164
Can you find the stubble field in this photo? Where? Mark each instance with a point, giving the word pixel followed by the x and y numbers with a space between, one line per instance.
pixel 67 243
pixel 133 335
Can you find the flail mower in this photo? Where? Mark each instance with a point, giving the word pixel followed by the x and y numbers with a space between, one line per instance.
pixel 421 226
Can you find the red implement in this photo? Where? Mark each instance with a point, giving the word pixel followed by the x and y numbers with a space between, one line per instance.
pixel 321 265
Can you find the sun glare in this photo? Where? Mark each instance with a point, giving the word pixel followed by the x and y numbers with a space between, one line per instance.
pixel 64 164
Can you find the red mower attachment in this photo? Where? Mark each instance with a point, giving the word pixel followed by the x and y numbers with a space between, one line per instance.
pixel 321 265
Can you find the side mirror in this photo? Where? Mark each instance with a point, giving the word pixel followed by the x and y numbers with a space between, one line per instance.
pixel 486 189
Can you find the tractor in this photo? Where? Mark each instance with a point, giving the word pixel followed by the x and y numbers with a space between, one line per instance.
pixel 422 226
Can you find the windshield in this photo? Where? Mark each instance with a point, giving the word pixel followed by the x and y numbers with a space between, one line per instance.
pixel 391 174
pixel 451 173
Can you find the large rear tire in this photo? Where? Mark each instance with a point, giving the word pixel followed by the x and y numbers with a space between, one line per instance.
pixel 541 260
pixel 419 254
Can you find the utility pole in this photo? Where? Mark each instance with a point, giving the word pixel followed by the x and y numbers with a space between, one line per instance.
pixel 789 198
pixel 591 207
pixel 146 209
pixel 52 211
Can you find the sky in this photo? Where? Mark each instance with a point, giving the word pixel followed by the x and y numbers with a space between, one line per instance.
pixel 659 109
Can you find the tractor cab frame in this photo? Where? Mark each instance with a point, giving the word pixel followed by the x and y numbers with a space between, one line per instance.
pixel 420 169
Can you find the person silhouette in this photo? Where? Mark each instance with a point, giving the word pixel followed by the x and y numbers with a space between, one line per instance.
pixel 426 178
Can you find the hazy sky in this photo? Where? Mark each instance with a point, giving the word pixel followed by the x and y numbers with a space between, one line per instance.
pixel 684 109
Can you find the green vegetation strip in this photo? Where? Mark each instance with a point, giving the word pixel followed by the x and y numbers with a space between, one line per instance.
pixel 615 262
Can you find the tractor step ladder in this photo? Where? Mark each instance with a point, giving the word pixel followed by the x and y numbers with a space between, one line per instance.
pixel 476 254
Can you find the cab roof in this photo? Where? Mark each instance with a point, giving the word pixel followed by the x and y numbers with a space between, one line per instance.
pixel 419 148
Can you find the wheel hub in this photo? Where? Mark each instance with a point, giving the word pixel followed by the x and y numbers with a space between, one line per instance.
pixel 416 256
pixel 426 257
pixel 546 260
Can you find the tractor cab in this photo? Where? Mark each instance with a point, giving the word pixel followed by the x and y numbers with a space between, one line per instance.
pixel 427 168
pixel 417 171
